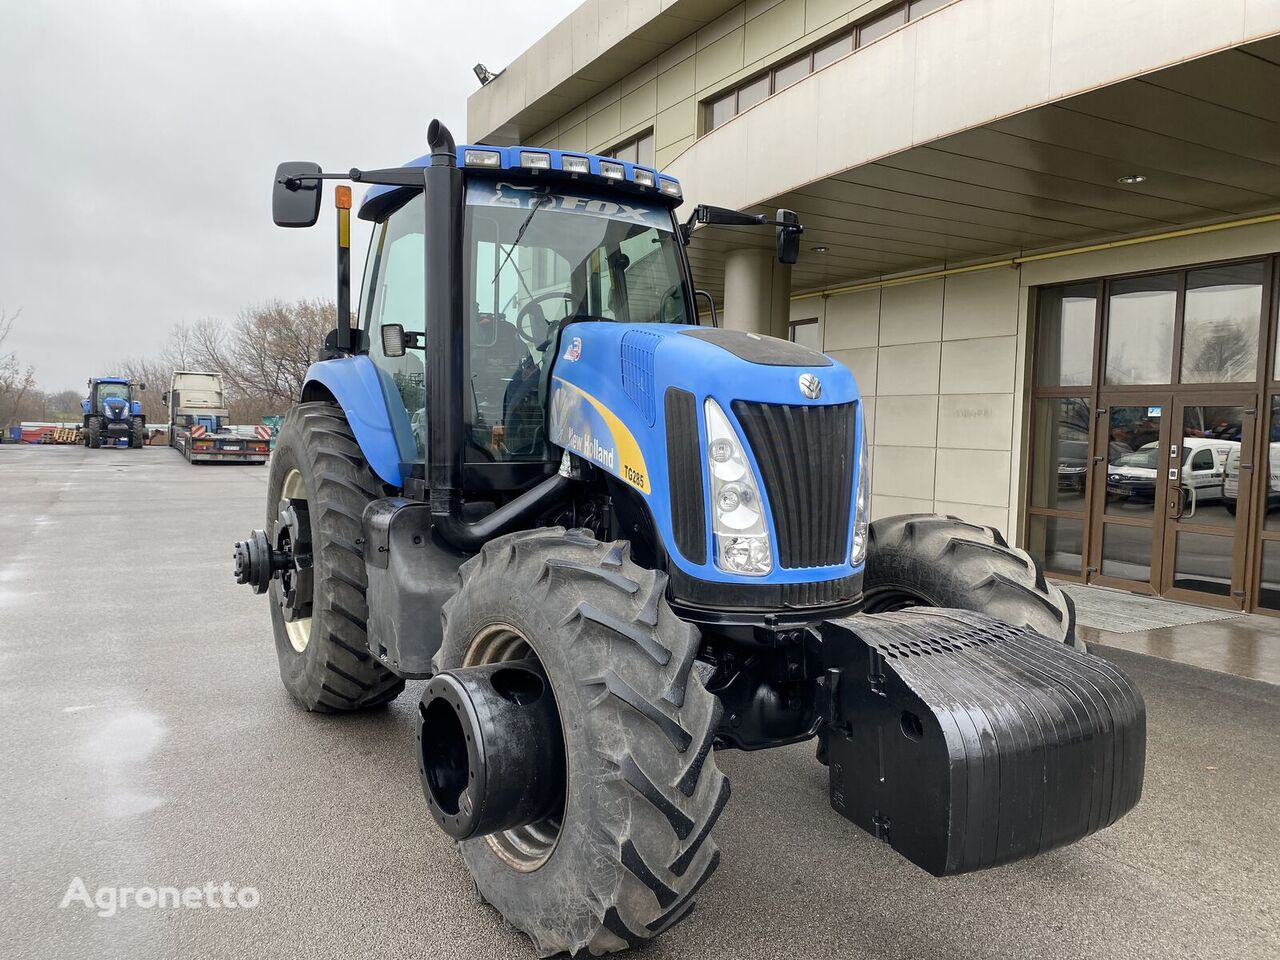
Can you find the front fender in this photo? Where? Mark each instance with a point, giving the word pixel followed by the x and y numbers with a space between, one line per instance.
pixel 356 384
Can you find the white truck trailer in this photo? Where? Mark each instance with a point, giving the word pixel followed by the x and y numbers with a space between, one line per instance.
pixel 198 426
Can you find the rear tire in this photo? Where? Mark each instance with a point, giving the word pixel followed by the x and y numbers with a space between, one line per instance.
pixel 632 844
pixel 325 664
pixel 928 560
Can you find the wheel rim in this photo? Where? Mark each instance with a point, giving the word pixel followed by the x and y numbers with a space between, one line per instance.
pixel 524 848
pixel 298 631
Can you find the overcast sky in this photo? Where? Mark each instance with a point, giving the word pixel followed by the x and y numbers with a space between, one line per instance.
pixel 138 142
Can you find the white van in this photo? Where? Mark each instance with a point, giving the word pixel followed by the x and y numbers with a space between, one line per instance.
pixel 1231 482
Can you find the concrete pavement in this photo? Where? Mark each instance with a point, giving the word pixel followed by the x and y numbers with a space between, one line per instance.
pixel 150 743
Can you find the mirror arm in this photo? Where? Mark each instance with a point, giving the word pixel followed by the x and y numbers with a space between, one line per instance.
pixel 703 214
pixel 392 177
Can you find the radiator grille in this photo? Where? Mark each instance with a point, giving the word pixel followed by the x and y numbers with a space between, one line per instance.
pixel 807 460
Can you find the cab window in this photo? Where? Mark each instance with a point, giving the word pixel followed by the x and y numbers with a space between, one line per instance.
pixel 394 292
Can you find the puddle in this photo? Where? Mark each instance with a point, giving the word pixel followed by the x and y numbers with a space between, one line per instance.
pixel 120 747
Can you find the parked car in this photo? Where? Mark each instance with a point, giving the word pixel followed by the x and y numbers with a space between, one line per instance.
pixel 1231 479
pixel 1133 475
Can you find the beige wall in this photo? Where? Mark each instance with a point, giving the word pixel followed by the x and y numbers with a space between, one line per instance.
pixel 666 92
pixel 943 368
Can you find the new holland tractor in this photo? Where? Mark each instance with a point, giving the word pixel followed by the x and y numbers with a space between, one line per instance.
pixel 113 414
pixel 616 540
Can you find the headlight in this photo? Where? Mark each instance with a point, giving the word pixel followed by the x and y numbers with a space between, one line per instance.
pixel 742 540
pixel 860 503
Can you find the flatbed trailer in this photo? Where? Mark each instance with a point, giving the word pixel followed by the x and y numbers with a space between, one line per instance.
pixel 199 445
pixel 198 426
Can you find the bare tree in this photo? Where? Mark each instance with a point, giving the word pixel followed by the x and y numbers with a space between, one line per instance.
pixel 264 354
pixel 17 383
pixel 7 320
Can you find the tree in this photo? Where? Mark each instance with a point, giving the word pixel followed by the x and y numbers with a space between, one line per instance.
pixel 17 383
pixel 263 355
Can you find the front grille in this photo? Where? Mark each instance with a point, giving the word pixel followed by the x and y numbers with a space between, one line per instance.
pixel 806 457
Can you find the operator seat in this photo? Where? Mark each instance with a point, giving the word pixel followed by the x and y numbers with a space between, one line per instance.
pixel 498 359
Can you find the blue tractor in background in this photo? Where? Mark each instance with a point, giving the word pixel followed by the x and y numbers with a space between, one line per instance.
pixel 616 539
pixel 113 414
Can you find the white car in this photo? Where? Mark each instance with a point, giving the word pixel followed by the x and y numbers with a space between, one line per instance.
pixel 1132 476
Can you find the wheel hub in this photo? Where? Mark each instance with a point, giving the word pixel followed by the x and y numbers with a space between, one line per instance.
pixel 293 545
pixel 491 750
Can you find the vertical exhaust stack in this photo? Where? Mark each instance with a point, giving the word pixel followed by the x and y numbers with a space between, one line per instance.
pixel 443 189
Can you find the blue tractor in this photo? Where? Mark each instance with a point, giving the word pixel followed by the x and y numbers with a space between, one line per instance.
pixel 616 539
pixel 113 414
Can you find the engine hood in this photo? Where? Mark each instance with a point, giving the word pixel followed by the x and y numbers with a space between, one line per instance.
pixel 113 408
pixel 631 399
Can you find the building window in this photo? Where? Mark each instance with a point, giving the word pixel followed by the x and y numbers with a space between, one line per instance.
pixel 636 150
pixel 807 333
pixel 746 95
pixel 887 22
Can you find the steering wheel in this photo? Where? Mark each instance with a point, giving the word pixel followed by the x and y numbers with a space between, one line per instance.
pixel 528 318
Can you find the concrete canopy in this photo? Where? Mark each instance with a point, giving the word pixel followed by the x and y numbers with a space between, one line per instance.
pixel 997 128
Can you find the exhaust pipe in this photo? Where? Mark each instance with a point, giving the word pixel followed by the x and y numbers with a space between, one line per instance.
pixel 490 749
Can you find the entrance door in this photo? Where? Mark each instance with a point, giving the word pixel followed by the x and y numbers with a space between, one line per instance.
pixel 1207 500
pixel 1174 482
pixel 1131 454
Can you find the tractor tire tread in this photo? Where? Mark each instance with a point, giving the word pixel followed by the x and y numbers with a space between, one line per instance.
pixel 618 652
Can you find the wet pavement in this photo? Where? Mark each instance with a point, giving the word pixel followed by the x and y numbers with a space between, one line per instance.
pixel 150 744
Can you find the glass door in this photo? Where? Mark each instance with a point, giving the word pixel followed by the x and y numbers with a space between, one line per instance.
pixel 1209 488
pixel 1131 457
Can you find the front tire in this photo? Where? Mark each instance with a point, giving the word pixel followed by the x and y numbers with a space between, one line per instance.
pixel 632 843
pixel 325 661
pixel 93 434
pixel 137 433
pixel 935 561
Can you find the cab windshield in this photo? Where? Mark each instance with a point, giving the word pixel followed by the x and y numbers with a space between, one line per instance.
pixel 538 257
pixel 113 391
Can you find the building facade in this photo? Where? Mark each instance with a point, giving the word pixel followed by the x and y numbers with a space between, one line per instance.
pixel 1043 235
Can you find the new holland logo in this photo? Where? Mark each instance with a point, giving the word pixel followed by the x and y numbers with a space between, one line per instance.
pixel 810 386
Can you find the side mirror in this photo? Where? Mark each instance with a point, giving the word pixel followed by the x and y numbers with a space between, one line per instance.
pixel 393 342
pixel 789 230
pixel 142 386
pixel 295 195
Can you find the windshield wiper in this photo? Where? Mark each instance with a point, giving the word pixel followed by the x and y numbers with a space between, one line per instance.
pixel 537 205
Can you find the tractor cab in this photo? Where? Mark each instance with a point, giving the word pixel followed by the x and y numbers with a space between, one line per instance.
pixel 537 254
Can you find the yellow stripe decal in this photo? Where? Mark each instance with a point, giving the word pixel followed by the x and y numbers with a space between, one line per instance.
pixel 631 466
